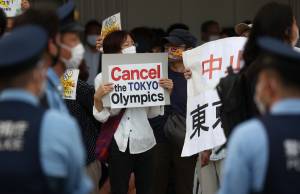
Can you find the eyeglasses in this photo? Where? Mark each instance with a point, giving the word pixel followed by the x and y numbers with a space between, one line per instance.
pixel 128 44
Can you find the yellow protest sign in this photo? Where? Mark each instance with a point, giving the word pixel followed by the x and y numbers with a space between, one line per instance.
pixel 11 8
pixel 111 24
pixel 69 82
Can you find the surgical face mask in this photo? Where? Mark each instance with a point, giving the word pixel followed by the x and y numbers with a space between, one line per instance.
pixel 91 40
pixel 129 50
pixel 213 37
pixel 77 54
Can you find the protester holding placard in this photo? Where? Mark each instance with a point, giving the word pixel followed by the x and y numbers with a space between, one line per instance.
pixel 131 148
pixel 170 128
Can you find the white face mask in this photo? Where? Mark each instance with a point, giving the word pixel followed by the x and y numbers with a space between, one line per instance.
pixel 129 50
pixel 77 54
pixel 91 40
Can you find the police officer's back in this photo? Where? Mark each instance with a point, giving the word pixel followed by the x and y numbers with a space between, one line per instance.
pixel 264 153
pixel 41 151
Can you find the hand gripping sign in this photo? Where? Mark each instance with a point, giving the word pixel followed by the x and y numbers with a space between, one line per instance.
pixel 209 64
pixel 136 80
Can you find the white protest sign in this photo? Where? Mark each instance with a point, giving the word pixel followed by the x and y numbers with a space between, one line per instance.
pixel 209 64
pixel 69 83
pixel 136 80
pixel 111 24
pixel 11 8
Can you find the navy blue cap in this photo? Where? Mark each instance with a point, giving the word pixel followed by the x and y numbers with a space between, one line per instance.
pixel 22 48
pixel 64 11
pixel 278 48
pixel 180 37
pixel 66 18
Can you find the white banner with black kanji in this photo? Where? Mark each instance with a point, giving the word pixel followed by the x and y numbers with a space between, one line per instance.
pixel 209 64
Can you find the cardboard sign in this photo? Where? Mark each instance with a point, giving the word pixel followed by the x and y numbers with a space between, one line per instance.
pixel 69 83
pixel 111 24
pixel 209 64
pixel 11 8
pixel 136 80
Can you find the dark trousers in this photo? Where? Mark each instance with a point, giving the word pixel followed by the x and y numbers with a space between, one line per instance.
pixel 173 171
pixel 122 164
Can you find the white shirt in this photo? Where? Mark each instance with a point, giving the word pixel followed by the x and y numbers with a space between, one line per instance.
pixel 92 61
pixel 134 126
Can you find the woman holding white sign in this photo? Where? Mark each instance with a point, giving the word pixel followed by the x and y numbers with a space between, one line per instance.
pixel 131 149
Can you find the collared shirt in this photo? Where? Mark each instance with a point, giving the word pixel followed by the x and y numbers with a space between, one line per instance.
pixel 62 153
pixel 92 60
pixel 246 163
pixel 54 92
pixel 134 126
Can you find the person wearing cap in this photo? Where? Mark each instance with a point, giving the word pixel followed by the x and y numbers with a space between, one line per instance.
pixel 41 150
pixel 243 29
pixel 70 41
pixel 264 153
pixel 48 19
pixel 168 161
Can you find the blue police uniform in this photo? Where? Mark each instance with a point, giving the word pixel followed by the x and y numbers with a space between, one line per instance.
pixel 54 92
pixel 264 153
pixel 41 150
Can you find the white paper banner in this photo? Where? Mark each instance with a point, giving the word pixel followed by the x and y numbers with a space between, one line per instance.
pixel 69 83
pixel 209 64
pixel 11 8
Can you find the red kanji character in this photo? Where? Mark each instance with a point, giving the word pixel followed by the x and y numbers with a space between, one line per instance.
pixel 211 65
pixel 238 63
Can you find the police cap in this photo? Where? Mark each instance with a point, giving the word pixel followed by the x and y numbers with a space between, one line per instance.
pixel 22 48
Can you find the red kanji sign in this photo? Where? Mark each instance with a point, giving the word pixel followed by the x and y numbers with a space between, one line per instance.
pixel 211 68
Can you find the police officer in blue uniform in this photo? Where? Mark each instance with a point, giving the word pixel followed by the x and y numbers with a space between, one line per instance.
pixel 54 91
pixel 40 150
pixel 264 153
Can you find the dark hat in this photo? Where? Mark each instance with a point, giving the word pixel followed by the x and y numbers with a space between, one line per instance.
pixel 22 48
pixel 66 16
pixel 181 36
pixel 278 48
pixel 65 12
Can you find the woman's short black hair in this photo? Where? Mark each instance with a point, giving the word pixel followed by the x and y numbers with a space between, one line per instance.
pixel 274 20
pixel 112 43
